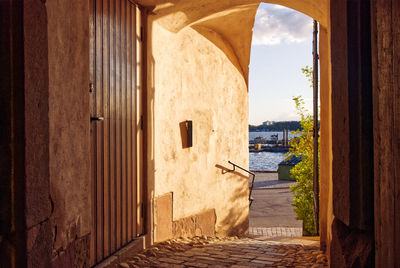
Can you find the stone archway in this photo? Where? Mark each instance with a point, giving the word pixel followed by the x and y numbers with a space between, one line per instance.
pixel 47 148
pixel 228 25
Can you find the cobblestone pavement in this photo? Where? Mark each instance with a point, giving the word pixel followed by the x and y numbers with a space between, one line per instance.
pixel 276 231
pixel 230 252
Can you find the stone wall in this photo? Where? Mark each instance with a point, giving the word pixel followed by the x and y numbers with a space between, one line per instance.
pixel 197 70
pixel 58 211
pixel 38 199
pixel 228 27
pixel 69 137
pixel 190 78
pixel 201 224
pixel 325 137
pixel 51 129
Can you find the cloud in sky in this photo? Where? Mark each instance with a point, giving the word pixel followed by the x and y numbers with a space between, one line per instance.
pixel 276 24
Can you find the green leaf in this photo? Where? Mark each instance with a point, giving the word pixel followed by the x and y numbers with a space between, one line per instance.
pixel 302 146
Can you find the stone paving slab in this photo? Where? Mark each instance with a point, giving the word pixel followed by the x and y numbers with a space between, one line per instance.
pixel 273 208
pixel 229 252
pixel 276 231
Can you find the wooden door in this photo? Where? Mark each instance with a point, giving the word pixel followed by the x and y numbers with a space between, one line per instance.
pixel 115 128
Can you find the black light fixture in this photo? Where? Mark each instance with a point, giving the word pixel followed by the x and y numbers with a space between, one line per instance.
pixel 189 131
pixel 186 128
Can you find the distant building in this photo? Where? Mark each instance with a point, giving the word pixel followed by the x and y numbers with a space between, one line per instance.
pixel 268 123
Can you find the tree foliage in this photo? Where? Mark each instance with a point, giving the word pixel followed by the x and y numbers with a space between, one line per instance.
pixel 308 72
pixel 302 146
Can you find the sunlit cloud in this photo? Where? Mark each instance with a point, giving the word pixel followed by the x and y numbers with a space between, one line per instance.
pixel 275 24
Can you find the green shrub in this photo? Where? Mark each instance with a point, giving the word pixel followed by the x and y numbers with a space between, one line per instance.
pixel 302 146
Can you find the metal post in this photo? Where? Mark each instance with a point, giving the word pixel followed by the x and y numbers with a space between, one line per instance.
pixel 284 137
pixel 287 137
pixel 316 128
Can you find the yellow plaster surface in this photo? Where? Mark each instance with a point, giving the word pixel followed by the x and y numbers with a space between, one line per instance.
pixel 199 53
pixel 232 19
pixel 326 213
pixel 207 88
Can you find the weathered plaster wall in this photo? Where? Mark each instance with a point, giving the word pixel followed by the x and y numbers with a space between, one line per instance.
pixel 176 14
pixel 232 19
pixel 217 21
pixel 326 213
pixel 70 182
pixel 192 73
pixel 37 200
pixel 192 79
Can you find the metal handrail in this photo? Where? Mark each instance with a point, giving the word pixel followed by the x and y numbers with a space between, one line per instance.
pixel 248 171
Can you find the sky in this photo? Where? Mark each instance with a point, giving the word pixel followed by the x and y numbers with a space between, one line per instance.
pixel 281 46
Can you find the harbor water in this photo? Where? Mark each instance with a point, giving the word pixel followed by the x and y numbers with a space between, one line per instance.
pixel 265 161
pixel 262 161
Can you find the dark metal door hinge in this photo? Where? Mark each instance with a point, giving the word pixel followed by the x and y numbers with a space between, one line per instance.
pixel 141 122
pixel 91 87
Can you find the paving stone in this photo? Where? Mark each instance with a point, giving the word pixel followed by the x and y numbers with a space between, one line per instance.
pixel 317 266
pixel 244 256
pixel 262 258
pixel 196 264
pixel 274 253
pixel 262 262
pixel 184 259
pixel 207 258
pixel 243 264
pixel 227 252
pixel 170 260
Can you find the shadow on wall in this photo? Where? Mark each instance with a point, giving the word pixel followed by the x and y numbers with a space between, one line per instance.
pixel 237 218
pixel 225 170
pixel 221 43
pixel 227 25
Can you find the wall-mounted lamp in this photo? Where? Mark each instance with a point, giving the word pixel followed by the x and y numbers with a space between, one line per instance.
pixel 186 128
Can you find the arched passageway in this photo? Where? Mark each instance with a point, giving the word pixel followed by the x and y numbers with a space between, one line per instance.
pixel 228 26
pixel 193 67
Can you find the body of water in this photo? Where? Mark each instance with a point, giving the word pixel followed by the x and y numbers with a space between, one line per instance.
pixel 266 160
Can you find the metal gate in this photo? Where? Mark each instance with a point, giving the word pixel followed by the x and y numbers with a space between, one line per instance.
pixel 115 126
